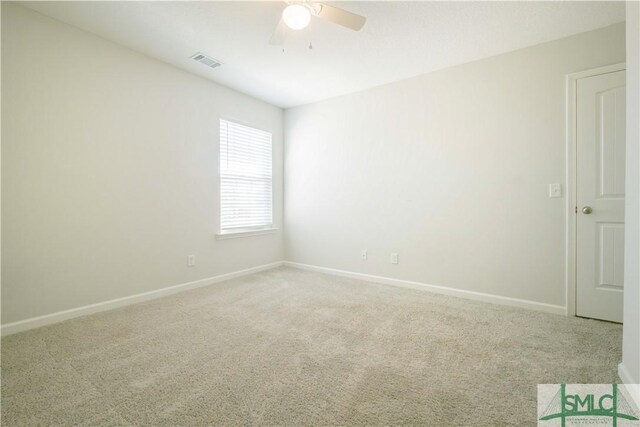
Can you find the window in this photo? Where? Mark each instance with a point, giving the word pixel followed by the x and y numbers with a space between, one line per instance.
pixel 245 178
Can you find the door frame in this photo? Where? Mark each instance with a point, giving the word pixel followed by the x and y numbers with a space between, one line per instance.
pixel 571 242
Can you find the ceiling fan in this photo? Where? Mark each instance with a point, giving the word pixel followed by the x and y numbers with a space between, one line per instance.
pixel 297 16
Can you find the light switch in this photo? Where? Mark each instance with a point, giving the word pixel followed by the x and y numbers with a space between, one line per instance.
pixel 555 190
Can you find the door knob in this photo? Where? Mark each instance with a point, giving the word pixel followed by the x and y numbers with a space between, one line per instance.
pixel 587 210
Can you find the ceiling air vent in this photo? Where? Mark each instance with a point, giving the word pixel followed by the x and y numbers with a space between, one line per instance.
pixel 206 60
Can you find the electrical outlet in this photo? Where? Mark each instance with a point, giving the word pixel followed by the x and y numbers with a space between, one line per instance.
pixel 363 254
pixel 394 258
pixel 191 260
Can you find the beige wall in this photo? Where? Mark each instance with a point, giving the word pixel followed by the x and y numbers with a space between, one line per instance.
pixel 630 367
pixel 450 170
pixel 109 171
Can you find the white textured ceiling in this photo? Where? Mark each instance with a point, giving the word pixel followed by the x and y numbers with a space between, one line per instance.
pixel 399 40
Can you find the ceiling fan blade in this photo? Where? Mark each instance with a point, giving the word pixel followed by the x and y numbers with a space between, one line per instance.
pixel 277 38
pixel 338 16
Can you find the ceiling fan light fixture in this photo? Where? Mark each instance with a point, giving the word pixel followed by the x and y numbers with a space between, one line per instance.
pixel 296 16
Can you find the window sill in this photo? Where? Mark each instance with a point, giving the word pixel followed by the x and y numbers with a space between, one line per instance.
pixel 244 233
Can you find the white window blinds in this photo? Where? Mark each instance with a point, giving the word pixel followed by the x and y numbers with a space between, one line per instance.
pixel 245 178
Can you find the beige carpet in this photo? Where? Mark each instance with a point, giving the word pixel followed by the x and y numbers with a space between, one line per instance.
pixel 289 347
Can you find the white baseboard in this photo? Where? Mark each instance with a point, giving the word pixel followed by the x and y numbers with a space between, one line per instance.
pixel 48 319
pixel 630 384
pixel 478 296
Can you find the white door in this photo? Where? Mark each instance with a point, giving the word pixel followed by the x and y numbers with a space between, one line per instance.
pixel 600 195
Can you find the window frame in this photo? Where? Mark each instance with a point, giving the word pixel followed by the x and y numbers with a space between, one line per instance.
pixel 232 233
